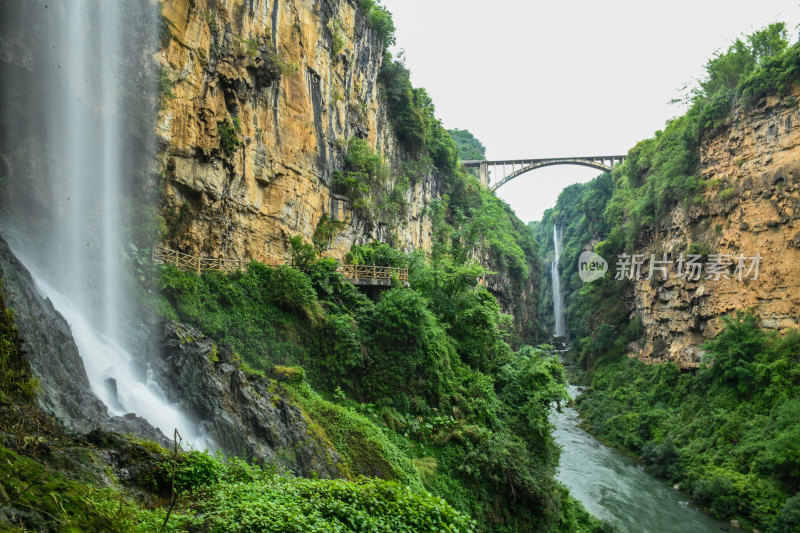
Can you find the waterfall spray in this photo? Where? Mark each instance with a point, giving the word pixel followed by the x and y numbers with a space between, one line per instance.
pixel 90 89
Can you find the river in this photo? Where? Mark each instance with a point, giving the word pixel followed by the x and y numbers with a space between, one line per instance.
pixel 615 488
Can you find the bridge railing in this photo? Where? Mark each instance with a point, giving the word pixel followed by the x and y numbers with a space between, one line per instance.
pixel 373 272
pixel 183 261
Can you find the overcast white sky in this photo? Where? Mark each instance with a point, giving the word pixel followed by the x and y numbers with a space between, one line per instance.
pixel 566 78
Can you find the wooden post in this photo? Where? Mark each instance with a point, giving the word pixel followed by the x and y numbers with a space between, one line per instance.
pixel 198 265
pixel 177 264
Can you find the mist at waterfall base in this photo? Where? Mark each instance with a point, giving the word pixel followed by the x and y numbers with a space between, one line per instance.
pixel 560 329
pixel 86 90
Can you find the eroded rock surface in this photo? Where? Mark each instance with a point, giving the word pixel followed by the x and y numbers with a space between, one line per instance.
pixel 752 207
pixel 284 85
pixel 242 414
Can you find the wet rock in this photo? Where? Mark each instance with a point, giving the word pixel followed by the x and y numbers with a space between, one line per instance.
pixel 240 412
pixel 54 359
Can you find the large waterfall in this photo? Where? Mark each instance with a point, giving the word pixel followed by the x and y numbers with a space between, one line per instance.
pixel 87 90
pixel 558 300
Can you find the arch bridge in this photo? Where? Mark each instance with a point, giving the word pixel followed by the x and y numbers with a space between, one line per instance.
pixel 501 174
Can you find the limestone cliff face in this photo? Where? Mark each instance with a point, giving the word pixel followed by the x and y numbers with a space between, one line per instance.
pixel 260 98
pixel 752 207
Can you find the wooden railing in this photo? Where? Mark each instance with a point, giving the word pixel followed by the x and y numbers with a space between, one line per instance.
pixel 183 261
pixel 373 272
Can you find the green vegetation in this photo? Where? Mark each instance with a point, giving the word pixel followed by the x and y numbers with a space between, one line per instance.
pixel 420 387
pixel 411 113
pixel 729 434
pixel 469 148
pixel 165 93
pixel 365 180
pixel 338 35
pixel 69 505
pixel 380 20
pixel 326 230
pixel 363 445
pixel 762 64
pixel 220 496
pixel 246 47
pixel 228 138
pixel 15 380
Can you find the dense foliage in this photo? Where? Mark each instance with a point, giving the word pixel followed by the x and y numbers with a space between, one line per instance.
pixel 221 496
pixel 725 434
pixel 380 20
pixel 411 113
pixel 469 148
pixel 427 367
pixel 365 180
pixel 729 434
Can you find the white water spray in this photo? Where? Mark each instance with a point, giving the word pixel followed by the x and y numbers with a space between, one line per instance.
pixel 560 329
pixel 94 54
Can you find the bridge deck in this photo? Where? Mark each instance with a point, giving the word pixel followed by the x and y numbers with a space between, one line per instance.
pixel 471 163
pixel 500 175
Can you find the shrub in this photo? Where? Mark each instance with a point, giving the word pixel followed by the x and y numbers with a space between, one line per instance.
pixel 380 19
pixel 292 290
pixel 789 519
pixel 733 352
pixel 193 470
pixel 15 379
pixel 410 351
pixel 228 139
pixel 662 459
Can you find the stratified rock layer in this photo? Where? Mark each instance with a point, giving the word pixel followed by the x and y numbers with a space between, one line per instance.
pixel 752 207
pixel 260 100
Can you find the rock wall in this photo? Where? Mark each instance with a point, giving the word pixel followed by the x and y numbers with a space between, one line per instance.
pixel 51 353
pixel 752 206
pixel 243 414
pixel 259 100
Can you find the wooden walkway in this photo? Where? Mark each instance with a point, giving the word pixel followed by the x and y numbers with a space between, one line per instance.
pixel 373 272
pixel 354 273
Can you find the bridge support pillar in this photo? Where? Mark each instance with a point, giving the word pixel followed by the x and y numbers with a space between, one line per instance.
pixel 483 174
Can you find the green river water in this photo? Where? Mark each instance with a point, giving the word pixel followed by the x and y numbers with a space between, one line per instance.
pixel 616 489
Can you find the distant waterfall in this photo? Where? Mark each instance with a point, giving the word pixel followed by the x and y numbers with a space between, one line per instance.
pixel 560 329
pixel 87 89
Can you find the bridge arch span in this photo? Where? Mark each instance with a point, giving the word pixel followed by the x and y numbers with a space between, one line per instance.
pixel 500 168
